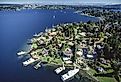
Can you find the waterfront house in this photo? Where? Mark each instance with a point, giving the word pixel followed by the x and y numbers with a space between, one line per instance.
pixel 68 52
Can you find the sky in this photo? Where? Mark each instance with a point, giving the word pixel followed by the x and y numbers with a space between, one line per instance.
pixel 63 1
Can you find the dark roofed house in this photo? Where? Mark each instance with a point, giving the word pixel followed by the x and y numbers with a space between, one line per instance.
pixel 85 52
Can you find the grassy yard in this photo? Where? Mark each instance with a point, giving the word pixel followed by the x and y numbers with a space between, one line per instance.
pixel 102 79
pixel 51 60
pixel 106 79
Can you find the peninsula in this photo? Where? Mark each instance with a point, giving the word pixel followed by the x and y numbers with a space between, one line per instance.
pixel 92 47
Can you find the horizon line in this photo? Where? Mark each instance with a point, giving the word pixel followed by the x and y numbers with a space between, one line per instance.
pixel 60 3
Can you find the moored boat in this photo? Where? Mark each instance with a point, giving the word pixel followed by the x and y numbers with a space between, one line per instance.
pixel 70 74
pixel 21 53
pixel 29 61
pixel 60 69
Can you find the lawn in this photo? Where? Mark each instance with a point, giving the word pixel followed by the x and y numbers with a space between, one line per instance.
pixel 51 60
pixel 102 79
pixel 106 79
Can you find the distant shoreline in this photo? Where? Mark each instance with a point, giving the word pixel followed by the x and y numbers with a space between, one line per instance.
pixel 60 3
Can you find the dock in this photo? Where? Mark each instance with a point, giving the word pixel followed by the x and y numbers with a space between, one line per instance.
pixel 38 65
pixel 29 61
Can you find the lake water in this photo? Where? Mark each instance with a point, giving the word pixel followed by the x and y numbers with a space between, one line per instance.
pixel 16 27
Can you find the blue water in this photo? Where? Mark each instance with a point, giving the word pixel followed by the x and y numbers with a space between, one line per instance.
pixel 18 26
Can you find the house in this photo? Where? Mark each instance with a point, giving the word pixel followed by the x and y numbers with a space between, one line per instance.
pixel 82 34
pixel 45 52
pixel 85 52
pixel 79 52
pixel 68 52
pixel 52 33
pixel 67 55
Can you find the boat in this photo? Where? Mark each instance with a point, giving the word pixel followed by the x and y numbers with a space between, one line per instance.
pixel 46 30
pixel 61 11
pixel 21 53
pixel 60 69
pixel 78 12
pixel 70 74
pixel 29 61
pixel 64 12
pixel 37 35
pixel 37 65
pixel 54 16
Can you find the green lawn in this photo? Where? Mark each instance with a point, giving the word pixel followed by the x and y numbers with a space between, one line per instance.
pixel 51 60
pixel 102 79
pixel 34 46
pixel 106 79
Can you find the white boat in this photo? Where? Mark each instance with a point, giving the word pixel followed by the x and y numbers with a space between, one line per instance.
pixel 29 61
pixel 64 12
pixel 61 11
pixel 70 74
pixel 37 65
pixel 37 35
pixel 46 30
pixel 54 16
pixel 60 69
pixel 21 53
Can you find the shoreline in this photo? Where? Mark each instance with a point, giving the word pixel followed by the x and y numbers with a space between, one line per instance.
pixel 55 42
